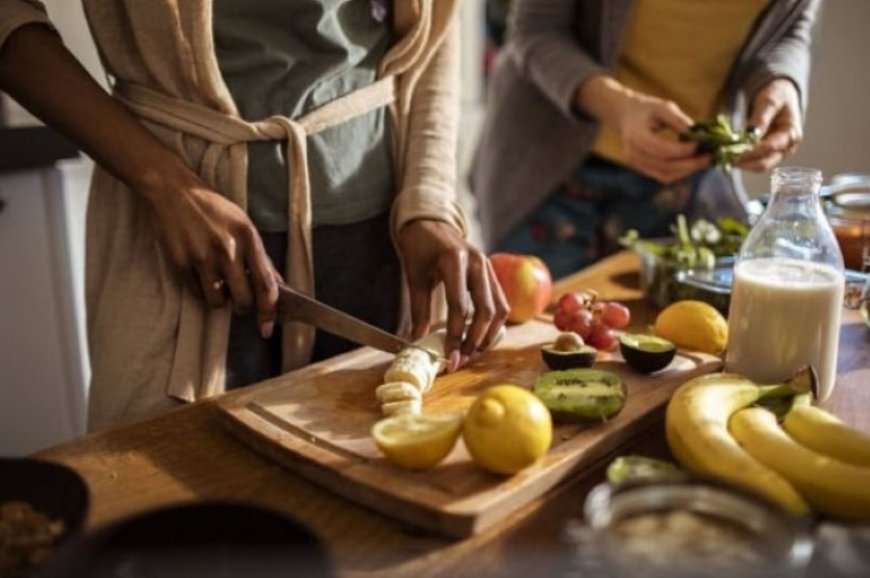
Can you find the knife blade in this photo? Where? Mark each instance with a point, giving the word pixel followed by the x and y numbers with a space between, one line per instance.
pixel 296 306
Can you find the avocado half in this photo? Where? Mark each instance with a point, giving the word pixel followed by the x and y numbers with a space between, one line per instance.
pixel 584 356
pixel 581 394
pixel 646 353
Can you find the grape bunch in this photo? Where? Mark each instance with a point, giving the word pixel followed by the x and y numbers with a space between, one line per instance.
pixel 590 318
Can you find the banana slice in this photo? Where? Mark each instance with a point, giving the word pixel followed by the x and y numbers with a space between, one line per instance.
pixel 399 407
pixel 397 391
pixel 414 366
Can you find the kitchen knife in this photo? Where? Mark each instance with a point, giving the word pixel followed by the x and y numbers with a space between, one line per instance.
pixel 295 306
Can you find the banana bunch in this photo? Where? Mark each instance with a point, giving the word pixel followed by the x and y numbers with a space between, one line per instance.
pixel 812 460
pixel 696 426
pixel 822 432
pixel 831 471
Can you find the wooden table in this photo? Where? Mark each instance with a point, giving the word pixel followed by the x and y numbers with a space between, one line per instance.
pixel 184 455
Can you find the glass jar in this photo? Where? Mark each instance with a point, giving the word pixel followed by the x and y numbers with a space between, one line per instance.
pixel 848 210
pixel 787 294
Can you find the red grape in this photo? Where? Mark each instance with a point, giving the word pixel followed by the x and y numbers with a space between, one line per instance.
pixel 581 323
pixel 570 302
pixel 562 319
pixel 615 315
pixel 601 337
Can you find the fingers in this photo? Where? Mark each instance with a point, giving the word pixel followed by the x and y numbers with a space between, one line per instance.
pixel 236 278
pixel 501 309
pixel 434 252
pixel 777 116
pixel 212 285
pixel 668 172
pixel 775 146
pixel 672 116
pixel 765 107
pixel 479 287
pixel 420 293
pixel 452 267
pixel 264 280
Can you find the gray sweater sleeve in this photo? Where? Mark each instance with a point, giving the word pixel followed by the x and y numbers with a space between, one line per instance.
pixel 788 58
pixel 544 46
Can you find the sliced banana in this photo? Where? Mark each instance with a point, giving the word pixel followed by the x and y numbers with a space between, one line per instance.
pixel 412 373
pixel 397 391
pixel 414 366
pixel 398 407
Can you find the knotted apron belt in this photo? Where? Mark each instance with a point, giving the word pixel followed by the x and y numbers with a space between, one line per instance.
pixel 222 131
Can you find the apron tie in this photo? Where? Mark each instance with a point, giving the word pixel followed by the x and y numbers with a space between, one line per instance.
pixel 222 132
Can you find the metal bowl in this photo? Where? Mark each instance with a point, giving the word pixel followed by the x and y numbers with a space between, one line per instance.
pixel 754 538
pixel 663 281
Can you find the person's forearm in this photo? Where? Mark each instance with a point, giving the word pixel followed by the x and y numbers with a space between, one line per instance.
pixel 39 72
pixel 544 45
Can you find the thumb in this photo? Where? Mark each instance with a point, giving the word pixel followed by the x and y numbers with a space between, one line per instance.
pixel 672 116
pixel 762 113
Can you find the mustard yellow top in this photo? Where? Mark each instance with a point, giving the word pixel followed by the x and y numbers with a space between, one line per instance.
pixel 680 50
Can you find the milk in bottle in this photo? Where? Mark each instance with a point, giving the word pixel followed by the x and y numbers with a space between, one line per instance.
pixel 787 294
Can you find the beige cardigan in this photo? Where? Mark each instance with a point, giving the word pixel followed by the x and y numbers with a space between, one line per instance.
pixel 151 342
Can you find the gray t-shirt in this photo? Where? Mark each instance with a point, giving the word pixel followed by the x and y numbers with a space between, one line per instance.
pixel 288 57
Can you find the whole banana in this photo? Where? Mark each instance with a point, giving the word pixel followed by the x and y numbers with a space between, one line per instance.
pixel 830 486
pixel 818 430
pixel 696 425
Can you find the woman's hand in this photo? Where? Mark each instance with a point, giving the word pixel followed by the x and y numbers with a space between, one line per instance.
pixel 641 121
pixel 776 113
pixel 434 252
pixel 214 245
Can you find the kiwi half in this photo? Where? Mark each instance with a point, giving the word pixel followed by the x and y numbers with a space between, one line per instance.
pixel 646 353
pixel 581 394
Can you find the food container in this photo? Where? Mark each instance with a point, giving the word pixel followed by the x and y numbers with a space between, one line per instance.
pixel 848 210
pixel 663 281
pixel 689 528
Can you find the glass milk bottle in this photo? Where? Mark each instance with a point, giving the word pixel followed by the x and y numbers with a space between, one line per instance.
pixel 787 296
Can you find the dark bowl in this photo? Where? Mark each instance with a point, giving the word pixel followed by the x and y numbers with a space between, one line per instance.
pixel 201 540
pixel 51 489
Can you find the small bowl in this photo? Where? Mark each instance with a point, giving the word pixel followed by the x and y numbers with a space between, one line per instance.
pixel 663 281
pixel 53 490
pixel 755 538
pixel 212 538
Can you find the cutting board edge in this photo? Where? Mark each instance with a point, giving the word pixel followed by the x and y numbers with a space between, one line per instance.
pixel 443 522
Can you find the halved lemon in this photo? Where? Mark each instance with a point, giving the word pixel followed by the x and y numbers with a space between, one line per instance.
pixel 417 441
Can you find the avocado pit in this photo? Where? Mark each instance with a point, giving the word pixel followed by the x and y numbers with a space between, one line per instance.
pixel 568 351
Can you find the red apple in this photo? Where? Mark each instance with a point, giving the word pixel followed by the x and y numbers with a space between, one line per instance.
pixel 526 282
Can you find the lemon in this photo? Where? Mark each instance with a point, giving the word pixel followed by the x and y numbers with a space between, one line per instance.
pixel 693 325
pixel 417 441
pixel 507 428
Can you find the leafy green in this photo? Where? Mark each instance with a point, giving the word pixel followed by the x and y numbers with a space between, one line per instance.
pixel 690 248
pixel 695 247
pixel 716 137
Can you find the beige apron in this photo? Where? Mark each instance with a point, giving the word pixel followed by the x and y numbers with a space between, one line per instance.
pixel 222 131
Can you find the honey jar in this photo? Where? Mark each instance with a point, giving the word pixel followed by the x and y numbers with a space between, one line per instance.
pixel 848 211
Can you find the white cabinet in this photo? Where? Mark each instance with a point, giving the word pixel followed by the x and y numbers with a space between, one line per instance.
pixel 42 353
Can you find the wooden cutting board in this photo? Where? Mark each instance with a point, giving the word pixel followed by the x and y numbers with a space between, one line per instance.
pixel 316 422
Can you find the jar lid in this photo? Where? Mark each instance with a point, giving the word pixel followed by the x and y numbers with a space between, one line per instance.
pixel 850 201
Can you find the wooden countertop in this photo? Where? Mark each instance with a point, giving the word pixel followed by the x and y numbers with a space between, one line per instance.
pixel 184 455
